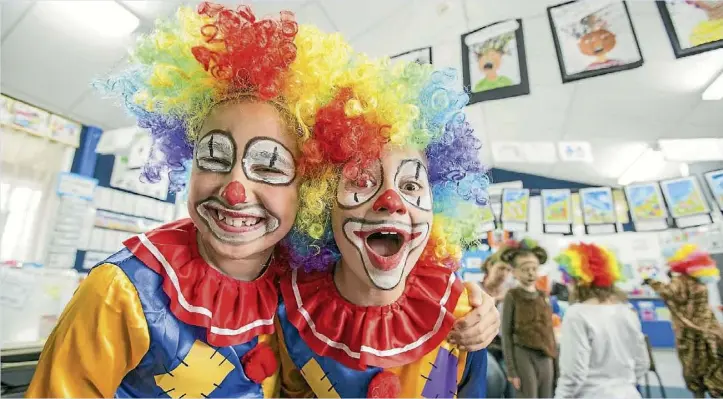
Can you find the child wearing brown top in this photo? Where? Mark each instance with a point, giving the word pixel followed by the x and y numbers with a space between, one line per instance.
pixel 528 338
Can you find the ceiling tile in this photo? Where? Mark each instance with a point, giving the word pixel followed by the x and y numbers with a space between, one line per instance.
pixel 12 13
pixel 354 18
pixel 41 41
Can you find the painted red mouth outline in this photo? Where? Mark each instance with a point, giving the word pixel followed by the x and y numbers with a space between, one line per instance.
pixel 386 263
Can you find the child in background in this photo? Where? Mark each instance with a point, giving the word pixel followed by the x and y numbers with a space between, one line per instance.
pixel 602 350
pixel 699 337
pixel 527 335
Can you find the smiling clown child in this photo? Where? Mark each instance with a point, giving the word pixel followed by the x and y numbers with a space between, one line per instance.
pixel 188 309
pixel 373 292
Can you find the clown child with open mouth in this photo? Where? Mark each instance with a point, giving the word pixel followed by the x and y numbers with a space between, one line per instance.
pixel 190 309
pixel 391 188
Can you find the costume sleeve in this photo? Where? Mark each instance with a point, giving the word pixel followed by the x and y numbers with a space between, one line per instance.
pixel 474 379
pixel 674 291
pixel 507 328
pixel 574 355
pixel 100 337
pixel 640 354
pixel 293 384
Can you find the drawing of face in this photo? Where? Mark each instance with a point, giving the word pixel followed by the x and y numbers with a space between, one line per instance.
pixel 381 220
pixel 489 62
pixel 243 191
pixel 597 43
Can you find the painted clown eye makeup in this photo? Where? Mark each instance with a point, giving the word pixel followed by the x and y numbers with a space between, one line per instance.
pixel 412 181
pixel 216 152
pixel 352 193
pixel 268 161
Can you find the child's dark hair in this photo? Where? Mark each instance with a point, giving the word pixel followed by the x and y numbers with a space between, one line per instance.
pixel 527 246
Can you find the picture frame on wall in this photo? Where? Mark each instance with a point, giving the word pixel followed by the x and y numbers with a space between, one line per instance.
pixel 647 206
pixel 515 209
pixel 686 202
pixel 494 64
pixel 420 56
pixel 598 210
pixel 693 27
pixel 593 38
pixel 714 179
pixel 556 211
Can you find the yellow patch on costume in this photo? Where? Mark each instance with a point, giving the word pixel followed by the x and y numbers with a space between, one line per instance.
pixel 198 374
pixel 316 378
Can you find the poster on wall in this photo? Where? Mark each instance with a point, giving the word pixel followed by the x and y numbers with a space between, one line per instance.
pixel 577 218
pixel 686 202
pixel 598 210
pixel 647 206
pixel 556 211
pixel 593 37
pixel 693 26
pixel 127 168
pixel 621 206
pixel 488 218
pixel 715 183
pixel 420 56
pixel 515 209
pixel 494 64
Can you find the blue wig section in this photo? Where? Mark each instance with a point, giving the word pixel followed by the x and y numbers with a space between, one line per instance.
pixel 171 148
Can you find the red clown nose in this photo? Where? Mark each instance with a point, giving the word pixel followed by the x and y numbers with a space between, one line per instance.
pixel 234 193
pixel 391 202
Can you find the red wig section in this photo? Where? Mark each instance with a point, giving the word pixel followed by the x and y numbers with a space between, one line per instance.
pixel 597 266
pixel 339 139
pixel 255 53
pixel 699 259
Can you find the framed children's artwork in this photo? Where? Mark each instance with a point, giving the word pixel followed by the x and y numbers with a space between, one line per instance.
pixel 715 183
pixel 686 202
pixel 593 38
pixel 647 206
pixel 556 211
pixel 598 209
pixel 693 27
pixel 494 64
pixel 515 209
pixel 420 56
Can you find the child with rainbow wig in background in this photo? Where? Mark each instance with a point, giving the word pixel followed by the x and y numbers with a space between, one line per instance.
pixel 391 188
pixel 602 348
pixel 188 309
pixel 698 335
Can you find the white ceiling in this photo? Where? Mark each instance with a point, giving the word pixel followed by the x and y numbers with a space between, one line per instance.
pixel 50 64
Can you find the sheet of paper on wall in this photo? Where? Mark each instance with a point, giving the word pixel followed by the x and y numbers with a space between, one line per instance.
pixel 540 152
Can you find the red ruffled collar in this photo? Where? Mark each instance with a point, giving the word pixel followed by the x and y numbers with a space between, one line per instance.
pixel 232 311
pixel 377 336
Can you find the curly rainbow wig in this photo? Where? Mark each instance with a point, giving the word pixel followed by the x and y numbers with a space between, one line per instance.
pixel 589 265
pixel 690 260
pixel 383 106
pixel 204 57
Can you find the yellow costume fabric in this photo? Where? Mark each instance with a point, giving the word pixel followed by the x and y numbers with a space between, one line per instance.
pixel 100 337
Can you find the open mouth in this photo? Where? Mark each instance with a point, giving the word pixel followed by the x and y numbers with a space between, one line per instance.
pixel 598 50
pixel 234 221
pixel 488 65
pixel 385 245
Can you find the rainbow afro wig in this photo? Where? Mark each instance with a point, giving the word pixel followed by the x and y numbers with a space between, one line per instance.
pixel 200 58
pixel 689 259
pixel 589 265
pixel 383 106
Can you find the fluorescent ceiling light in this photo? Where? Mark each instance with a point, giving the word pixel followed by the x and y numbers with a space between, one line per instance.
pixel 647 167
pixel 692 150
pixel 101 17
pixel 714 92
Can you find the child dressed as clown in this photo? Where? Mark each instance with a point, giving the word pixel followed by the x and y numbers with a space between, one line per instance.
pixel 367 312
pixel 699 336
pixel 602 349
pixel 188 309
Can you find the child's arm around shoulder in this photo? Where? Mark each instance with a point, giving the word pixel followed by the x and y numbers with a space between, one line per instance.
pixel 100 337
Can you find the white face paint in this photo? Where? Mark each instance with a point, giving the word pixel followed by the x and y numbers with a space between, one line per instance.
pixel 412 181
pixel 216 152
pixel 268 161
pixel 352 193
pixel 382 220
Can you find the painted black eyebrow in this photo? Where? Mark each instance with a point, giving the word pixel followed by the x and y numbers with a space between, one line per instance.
pixel 404 162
